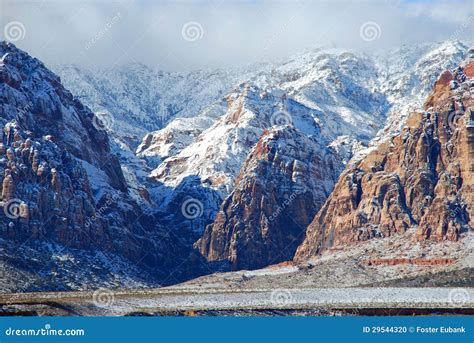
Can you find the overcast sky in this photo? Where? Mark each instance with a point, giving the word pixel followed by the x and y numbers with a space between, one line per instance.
pixel 184 35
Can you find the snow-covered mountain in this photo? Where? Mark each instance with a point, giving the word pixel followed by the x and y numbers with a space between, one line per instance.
pixel 66 211
pixel 141 99
pixel 407 77
pixel 206 123
pixel 134 100
pixel 85 188
pixel 345 97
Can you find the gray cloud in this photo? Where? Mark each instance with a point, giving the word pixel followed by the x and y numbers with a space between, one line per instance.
pixel 100 33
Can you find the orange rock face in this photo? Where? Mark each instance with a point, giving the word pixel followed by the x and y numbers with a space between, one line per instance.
pixel 444 79
pixel 410 261
pixel 420 180
pixel 469 69
pixel 282 184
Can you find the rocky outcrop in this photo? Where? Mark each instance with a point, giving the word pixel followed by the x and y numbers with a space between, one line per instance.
pixel 33 96
pixel 342 96
pixel 45 193
pixel 410 261
pixel 283 182
pixel 207 170
pixel 420 180
pixel 61 184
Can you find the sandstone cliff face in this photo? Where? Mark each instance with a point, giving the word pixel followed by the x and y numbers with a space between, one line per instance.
pixel 420 180
pixel 45 192
pixel 284 181
pixel 34 97
pixel 60 184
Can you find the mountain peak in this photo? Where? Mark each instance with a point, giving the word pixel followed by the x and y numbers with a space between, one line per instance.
pixel 419 180
pixel 282 184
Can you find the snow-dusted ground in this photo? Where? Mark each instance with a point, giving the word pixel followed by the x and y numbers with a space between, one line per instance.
pixel 338 279
pixel 349 267
pixel 107 303
pixel 307 298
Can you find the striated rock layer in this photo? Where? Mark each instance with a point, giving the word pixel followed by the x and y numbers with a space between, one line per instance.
pixel 283 182
pixel 420 180
pixel 60 182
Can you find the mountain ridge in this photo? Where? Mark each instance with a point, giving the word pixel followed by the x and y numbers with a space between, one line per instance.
pixel 328 106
